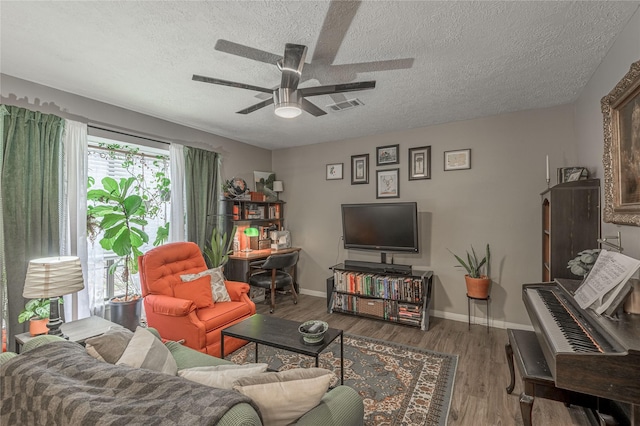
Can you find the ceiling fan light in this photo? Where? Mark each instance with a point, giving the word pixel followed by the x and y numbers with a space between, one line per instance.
pixel 287 103
pixel 288 111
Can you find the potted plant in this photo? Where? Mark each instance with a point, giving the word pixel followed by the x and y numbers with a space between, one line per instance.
pixel 478 283
pixel 583 262
pixel 218 251
pixel 121 217
pixel 36 311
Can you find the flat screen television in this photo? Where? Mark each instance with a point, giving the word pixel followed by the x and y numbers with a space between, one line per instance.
pixel 385 227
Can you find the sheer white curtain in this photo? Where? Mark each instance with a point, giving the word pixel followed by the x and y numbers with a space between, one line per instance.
pixel 73 217
pixel 177 216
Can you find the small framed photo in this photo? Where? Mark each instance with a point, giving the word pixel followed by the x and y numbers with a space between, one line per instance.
pixel 420 163
pixel 387 184
pixel 359 169
pixel 387 155
pixel 334 171
pixel 572 174
pixel 457 160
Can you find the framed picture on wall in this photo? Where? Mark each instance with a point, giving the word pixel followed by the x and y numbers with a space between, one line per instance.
pixel 334 171
pixel 420 163
pixel 387 183
pixel 359 169
pixel 457 160
pixel 621 110
pixel 387 155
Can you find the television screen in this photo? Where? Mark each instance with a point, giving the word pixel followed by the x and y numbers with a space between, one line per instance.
pixel 391 227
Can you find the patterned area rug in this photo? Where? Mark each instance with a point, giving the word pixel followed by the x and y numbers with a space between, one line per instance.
pixel 400 385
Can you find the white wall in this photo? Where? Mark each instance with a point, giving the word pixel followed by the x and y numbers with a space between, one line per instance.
pixel 239 159
pixel 588 118
pixel 496 202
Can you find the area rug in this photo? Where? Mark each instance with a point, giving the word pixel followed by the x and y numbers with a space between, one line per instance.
pixel 400 385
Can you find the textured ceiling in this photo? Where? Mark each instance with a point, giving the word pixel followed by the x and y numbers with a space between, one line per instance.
pixel 434 62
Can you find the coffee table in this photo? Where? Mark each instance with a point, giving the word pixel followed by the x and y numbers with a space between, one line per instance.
pixel 282 334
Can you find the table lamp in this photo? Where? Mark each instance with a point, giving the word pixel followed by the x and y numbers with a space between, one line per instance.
pixel 250 232
pixel 52 277
pixel 278 188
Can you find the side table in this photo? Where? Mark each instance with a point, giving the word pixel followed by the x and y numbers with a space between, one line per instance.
pixel 77 331
pixel 469 298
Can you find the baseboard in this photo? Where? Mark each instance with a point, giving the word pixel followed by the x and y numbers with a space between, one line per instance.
pixel 313 293
pixel 449 315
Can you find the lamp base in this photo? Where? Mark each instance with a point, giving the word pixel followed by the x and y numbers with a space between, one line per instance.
pixel 54 318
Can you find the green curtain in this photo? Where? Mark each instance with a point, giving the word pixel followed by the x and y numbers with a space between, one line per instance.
pixel 31 147
pixel 202 187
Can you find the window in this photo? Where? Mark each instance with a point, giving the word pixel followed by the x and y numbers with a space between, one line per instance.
pixel 149 168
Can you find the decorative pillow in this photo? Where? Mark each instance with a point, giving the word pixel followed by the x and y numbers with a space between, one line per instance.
pixel 285 396
pixel 195 287
pixel 146 351
pixel 110 346
pixel 218 289
pixel 221 376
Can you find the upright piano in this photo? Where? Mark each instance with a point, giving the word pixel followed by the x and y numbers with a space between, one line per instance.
pixel 586 354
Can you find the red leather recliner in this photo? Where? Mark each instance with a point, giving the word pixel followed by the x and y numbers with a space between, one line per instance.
pixel 187 317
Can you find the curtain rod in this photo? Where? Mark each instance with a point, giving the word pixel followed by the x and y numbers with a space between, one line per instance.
pixel 93 126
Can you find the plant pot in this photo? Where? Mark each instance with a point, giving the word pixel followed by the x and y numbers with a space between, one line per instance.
pixel 38 326
pixel 478 287
pixel 126 313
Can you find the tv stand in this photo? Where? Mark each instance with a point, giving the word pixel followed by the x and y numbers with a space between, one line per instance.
pixel 387 296
pixel 384 268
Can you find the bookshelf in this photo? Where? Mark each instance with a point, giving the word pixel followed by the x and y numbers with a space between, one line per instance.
pixel 397 298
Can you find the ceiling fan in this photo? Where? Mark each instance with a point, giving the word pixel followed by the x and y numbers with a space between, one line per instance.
pixel 289 101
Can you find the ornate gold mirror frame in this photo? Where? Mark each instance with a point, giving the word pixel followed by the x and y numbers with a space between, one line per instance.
pixel 621 110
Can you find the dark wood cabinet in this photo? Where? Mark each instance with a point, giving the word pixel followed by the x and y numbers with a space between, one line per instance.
pixel 266 216
pixel 570 224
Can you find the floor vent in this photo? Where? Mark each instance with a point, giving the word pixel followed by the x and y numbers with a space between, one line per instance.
pixel 341 106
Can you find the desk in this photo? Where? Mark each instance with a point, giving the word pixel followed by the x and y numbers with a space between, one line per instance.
pixel 237 268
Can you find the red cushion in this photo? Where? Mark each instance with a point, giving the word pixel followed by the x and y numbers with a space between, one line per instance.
pixel 223 314
pixel 197 290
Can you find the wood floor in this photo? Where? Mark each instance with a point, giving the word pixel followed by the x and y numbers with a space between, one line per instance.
pixel 479 396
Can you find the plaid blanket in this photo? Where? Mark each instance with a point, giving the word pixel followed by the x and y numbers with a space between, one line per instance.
pixel 60 384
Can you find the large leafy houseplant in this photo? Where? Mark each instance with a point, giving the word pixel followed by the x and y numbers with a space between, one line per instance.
pixel 120 213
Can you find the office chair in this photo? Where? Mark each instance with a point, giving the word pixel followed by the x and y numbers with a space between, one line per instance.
pixel 272 275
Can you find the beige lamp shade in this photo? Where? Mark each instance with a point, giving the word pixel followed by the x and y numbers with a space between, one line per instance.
pixel 277 186
pixel 52 277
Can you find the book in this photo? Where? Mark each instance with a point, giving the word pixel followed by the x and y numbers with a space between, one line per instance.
pixel 606 286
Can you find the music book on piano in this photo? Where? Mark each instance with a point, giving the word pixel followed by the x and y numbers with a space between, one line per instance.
pixel 607 284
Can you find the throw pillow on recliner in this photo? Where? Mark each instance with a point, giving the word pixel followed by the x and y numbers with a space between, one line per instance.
pixel 194 287
pixel 216 282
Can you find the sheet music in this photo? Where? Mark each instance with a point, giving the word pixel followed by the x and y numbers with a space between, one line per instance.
pixel 606 279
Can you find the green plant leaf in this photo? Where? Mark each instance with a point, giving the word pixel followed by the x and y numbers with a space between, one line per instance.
pixel 110 185
pixel 122 244
pixel 131 204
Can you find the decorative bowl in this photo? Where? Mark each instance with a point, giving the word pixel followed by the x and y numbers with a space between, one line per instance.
pixel 313 331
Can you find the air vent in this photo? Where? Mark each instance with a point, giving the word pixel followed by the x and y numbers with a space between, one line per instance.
pixel 341 106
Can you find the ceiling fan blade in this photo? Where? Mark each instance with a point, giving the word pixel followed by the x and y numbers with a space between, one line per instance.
pixel 256 106
pixel 311 108
pixel 292 63
pixel 337 88
pixel 246 52
pixel 230 84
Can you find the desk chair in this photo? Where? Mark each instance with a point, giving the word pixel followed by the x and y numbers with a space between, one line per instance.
pixel 272 275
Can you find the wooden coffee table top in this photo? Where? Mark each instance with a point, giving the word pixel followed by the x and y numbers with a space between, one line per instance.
pixel 278 333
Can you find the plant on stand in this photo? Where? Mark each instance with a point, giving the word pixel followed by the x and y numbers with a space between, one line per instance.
pixel 478 283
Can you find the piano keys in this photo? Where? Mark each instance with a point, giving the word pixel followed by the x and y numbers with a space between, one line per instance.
pixel 586 353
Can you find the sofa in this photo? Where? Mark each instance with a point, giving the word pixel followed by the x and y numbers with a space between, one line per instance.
pixel 25 403
pixel 186 310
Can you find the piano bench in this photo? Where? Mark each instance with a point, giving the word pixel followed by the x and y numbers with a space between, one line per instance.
pixel 536 376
